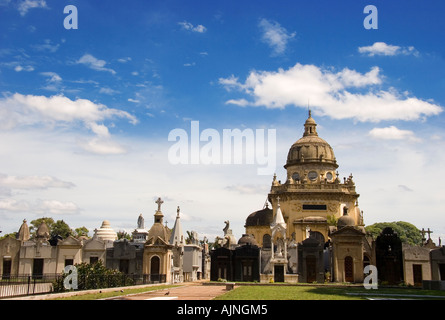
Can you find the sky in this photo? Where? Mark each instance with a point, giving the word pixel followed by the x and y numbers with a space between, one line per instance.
pixel 98 100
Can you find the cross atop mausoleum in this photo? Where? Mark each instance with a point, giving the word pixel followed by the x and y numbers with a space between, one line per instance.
pixel 159 202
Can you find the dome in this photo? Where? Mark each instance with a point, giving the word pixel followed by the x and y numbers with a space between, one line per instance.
pixel 247 239
pixel 262 217
pixel 345 220
pixel 42 231
pixel 158 230
pixel 311 148
pixel 105 232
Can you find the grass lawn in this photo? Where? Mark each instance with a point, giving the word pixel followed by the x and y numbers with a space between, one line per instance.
pixel 296 292
pixel 109 294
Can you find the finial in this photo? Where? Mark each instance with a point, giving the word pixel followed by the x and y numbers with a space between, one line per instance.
pixel 159 202
pixel 177 212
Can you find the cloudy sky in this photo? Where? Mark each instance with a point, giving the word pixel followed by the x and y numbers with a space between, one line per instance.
pixel 89 95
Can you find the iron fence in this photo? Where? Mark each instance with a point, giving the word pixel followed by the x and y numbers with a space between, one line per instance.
pixel 24 285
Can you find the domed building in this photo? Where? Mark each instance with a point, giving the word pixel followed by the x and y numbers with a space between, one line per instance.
pixel 311 194
pixel 157 250
pixel 105 232
pixel 307 204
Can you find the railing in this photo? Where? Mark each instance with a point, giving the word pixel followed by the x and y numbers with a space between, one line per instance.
pixel 312 187
pixel 24 285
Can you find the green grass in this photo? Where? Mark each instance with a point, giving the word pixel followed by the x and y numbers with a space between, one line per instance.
pixel 109 294
pixel 296 292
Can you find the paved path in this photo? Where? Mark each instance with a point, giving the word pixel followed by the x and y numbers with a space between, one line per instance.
pixel 185 292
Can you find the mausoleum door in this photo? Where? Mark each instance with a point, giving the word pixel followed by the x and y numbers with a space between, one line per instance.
pixel 349 269
pixel 154 265
pixel 417 274
pixel 442 271
pixel 311 269
pixel 279 273
pixel 6 267
pixel 247 271
pixel 37 268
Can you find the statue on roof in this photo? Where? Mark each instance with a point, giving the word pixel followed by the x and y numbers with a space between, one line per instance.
pixel 141 222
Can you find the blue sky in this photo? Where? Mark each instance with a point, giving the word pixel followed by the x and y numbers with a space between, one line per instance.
pixel 86 113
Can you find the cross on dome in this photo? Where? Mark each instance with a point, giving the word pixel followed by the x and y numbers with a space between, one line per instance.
pixel 159 202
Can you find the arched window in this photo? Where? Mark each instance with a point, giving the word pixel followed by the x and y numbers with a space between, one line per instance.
pixel 267 241
pixel 317 235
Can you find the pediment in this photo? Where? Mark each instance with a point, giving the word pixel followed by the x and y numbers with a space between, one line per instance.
pixel 70 241
pixel 348 231
pixel 94 244
pixel 156 241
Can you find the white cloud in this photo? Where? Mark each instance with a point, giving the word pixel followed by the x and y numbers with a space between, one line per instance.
pixel 32 182
pixel 109 91
pixel 26 5
pixel 383 49
pixel 94 63
pixel 248 189
pixel 21 110
pixel 55 207
pixel 19 68
pixel 188 26
pixel 393 133
pixel 124 60
pixel 46 46
pixel 13 205
pixel 52 76
pixel 102 146
pixel 339 95
pixel 30 109
pixel 238 102
pixel 274 35
pixel 40 207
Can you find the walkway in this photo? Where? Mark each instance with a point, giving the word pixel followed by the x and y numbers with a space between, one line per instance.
pixel 189 291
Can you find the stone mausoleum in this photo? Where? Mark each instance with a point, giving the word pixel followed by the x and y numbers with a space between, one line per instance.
pixel 311 229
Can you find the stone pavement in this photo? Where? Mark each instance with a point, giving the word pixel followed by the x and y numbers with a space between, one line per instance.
pixel 188 291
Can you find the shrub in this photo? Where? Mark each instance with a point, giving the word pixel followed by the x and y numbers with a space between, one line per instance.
pixel 94 276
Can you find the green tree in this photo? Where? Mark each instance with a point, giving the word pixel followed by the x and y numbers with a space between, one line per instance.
pixel 332 220
pixel 61 228
pixel 190 237
pixel 122 234
pixel 12 234
pixel 82 231
pixel 407 232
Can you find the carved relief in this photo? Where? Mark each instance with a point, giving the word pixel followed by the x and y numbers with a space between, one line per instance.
pixel 332 207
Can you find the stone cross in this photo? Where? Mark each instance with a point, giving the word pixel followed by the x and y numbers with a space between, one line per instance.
pixel 429 233
pixel 159 202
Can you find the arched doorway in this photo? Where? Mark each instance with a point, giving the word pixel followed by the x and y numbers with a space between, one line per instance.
pixel 317 235
pixel 155 264
pixel 349 269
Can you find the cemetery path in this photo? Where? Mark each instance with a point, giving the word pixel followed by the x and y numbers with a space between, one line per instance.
pixel 190 291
